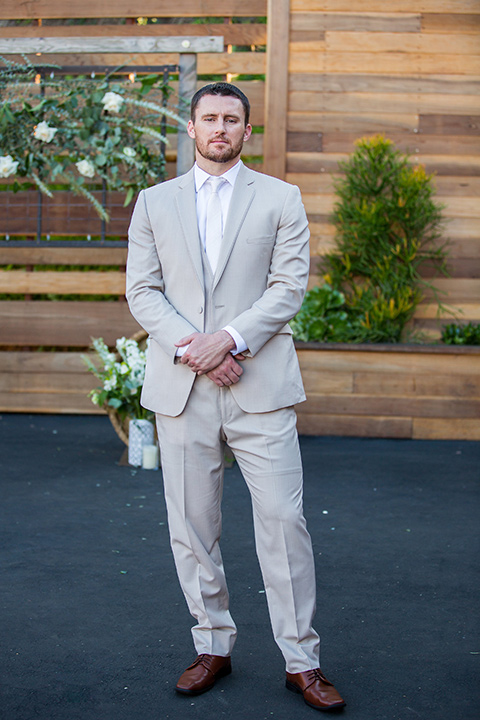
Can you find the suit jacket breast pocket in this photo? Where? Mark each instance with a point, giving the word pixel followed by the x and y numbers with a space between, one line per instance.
pixel 261 239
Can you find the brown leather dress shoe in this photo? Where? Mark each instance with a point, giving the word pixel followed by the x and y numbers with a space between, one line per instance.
pixel 203 674
pixel 317 691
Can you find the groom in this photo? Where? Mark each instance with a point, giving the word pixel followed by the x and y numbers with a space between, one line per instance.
pixel 218 264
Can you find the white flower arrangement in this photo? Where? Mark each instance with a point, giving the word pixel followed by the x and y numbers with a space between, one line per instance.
pixel 82 133
pixel 122 377
pixel 8 166
pixel 112 102
pixel 44 132
pixel 86 168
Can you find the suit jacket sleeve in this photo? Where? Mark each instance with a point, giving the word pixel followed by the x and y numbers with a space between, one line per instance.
pixel 145 285
pixel 287 278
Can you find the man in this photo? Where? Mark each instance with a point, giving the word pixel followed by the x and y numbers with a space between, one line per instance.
pixel 218 264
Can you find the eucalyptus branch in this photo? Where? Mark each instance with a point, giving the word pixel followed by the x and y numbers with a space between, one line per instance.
pixel 156 108
pixel 41 185
pixel 80 189
pixel 145 130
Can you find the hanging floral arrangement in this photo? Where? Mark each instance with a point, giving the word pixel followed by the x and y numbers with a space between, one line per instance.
pixel 80 132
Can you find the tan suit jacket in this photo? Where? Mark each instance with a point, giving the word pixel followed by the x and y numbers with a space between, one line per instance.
pixel 258 287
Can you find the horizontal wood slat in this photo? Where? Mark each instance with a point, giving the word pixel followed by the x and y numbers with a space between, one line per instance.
pixel 63 324
pixel 48 402
pixel 387 393
pixel 92 45
pixel 306 61
pixel 399 406
pixel 410 43
pixel 208 63
pixel 62 256
pixel 394 6
pixel 302 22
pixel 12 9
pixel 62 283
pixel 234 34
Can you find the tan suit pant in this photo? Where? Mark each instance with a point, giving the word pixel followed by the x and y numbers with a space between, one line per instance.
pixel 266 448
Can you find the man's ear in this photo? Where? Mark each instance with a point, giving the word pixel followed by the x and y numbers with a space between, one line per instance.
pixel 191 129
pixel 247 133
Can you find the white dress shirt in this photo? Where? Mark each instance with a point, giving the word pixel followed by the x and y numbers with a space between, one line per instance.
pixel 202 193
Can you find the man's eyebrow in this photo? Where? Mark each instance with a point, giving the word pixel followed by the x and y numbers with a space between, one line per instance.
pixel 216 114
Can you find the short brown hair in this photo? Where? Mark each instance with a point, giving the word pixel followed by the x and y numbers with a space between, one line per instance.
pixel 220 88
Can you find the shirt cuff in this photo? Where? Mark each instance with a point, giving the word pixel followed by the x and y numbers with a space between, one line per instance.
pixel 238 339
pixel 181 350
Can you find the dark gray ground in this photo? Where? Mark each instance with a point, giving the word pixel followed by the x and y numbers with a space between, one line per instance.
pixel 94 626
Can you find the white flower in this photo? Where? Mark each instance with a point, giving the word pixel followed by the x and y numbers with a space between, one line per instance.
pixel 8 166
pixel 129 152
pixel 110 383
pixel 112 102
pixel 44 132
pixel 86 168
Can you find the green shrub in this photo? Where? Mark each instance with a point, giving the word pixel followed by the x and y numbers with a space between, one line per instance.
pixel 322 316
pixel 455 334
pixel 387 227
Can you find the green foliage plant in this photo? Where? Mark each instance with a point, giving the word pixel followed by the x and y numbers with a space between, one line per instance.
pixel 121 376
pixel 387 227
pixel 322 316
pixel 81 132
pixel 456 334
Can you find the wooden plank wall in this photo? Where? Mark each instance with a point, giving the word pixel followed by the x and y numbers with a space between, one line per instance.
pixel 54 380
pixel 243 55
pixel 409 69
pixel 412 392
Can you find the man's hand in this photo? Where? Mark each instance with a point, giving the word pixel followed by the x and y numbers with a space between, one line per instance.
pixel 228 372
pixel 206 350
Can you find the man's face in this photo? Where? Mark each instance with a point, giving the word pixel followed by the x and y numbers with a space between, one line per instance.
pixel 219 129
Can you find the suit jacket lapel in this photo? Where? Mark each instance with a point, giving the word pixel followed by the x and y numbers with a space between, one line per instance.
pixel 242 196
pixel 187 214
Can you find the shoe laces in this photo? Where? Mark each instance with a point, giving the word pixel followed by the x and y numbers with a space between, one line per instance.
pixel 317 674
pixel 205 660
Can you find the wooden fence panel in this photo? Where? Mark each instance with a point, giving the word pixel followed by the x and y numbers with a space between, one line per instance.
pixel 412 74
pixel 351 68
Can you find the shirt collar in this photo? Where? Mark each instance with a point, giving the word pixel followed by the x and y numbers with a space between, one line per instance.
pixel 201 176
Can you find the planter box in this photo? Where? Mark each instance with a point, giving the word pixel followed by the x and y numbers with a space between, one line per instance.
pixel 390 391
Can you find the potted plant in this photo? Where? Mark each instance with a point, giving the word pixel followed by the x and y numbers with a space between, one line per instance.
pixel 122 374
pixel 387 228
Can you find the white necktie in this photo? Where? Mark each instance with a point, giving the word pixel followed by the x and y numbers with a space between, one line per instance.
pixel 214 226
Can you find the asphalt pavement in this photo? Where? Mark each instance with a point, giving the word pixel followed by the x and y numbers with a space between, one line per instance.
pixel 95 627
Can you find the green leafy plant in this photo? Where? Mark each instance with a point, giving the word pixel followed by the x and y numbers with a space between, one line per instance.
pixel 322 316
pixel 387 227
pixel 121 375
pixel 81 131
pixel 455 334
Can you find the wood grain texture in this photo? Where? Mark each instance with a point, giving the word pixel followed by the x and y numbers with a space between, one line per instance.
pixel 234 34
pixel 276 90
pixel 12 9
pixel 355 22
pixel 62 256
pixel 208 63
pixel 92 45
pixel 62 283
pixel 394 6
pixel 58 324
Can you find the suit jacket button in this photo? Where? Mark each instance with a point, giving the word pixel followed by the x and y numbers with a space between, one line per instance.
pixel 200 310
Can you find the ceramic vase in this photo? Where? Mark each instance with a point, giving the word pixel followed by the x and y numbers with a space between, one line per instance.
pixel 140 433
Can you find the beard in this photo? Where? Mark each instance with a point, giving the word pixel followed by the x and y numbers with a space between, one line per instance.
pixel 219 155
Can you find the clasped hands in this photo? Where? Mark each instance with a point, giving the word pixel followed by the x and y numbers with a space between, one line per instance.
pixel 209 354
